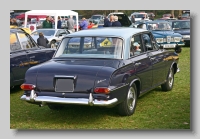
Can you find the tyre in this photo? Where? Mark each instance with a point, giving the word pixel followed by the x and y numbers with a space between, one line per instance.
pixel 127 107
pixel 55 107
pixel 168 85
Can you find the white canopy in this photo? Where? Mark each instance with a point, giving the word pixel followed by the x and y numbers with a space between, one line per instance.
pixel 54 13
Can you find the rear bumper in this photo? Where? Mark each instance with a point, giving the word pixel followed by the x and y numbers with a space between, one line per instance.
pixel 57 100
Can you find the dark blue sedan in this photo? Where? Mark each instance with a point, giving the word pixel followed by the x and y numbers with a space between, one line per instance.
pixel 24 53
pixel 108 67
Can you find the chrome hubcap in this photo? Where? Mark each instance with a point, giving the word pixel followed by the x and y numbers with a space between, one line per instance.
pixel 171 78
pixel 131 98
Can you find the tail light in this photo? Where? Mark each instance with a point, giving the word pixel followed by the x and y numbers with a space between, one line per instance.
pixel 102 90
pixel 27 87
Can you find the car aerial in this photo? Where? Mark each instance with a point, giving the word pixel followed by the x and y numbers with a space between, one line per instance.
pixel 53 35
pixel 140 15
pixel 24 53
pixel 101 67
pixel 122 18
pixel 163 33
pixel 182 27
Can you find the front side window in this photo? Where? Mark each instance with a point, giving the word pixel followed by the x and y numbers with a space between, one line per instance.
pixel 14 43
pixel 147 40
pixel 26 41
pixel 91 47
pixel 181 25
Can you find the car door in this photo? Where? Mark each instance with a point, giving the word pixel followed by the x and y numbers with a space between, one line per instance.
pixel 34 53
pixel 19 62
pixel 157 58
pixel 142 63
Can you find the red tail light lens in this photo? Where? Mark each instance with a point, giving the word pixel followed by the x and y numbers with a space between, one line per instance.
pixel 27 86
pixel 102 90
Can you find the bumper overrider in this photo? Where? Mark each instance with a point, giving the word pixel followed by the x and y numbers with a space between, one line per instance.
pixel 57 100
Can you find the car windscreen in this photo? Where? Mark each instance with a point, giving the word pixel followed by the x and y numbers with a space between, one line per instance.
pixel 91 47
pixel 45 32
pixel 158 26
pixel 181 25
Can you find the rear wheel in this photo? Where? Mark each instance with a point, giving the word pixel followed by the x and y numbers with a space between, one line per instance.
pixel 168 85
pixel 127 107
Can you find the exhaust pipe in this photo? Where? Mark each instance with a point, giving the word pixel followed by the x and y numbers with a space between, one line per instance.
pixel 42 104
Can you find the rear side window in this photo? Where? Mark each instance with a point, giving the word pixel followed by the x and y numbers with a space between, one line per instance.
pixel 14 43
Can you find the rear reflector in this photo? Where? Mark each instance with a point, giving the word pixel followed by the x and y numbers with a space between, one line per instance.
pixel 27 86
pixel 102 90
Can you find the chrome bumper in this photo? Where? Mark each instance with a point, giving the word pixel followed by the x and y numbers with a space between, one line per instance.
pixel 80 101
pixel 171 45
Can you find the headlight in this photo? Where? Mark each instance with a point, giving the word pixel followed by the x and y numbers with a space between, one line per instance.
pixel 186 36
pixel 159 40
pixel 177 39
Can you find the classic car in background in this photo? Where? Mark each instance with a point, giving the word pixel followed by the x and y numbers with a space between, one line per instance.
pixel 96 18
pixel 101 67
pixel 163 33
pixel 24 53
pixel 140 15
pixel 53 35
pixel 182 27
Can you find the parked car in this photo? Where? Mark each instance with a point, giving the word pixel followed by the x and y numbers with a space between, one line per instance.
pixel 163 33
pixel 102 68
pixel 140 15
pixel 24 53
pixel 182 27
pixel 96 18
pixel 53 35
pixel 122 18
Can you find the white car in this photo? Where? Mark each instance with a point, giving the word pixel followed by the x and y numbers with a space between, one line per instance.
pixel 53 35
pixel 139 16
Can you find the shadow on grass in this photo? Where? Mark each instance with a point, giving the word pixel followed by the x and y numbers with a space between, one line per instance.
pixel 15 89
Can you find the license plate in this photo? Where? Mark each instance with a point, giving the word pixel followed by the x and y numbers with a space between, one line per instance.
pixel 64 85
pixel 169 46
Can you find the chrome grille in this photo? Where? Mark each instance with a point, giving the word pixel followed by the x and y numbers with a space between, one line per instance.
pixel 168 39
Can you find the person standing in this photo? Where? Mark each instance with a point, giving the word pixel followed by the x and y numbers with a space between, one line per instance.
pixel 42 41
pixel 116 23
pixel 84 24
pixel 59 23
pixel 70 23
pixel 133 19
pixel 47 23
pixel 108 23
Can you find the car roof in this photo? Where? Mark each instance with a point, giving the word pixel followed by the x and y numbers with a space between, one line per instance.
pixel 116 13
pixel 179 20
pixel 108 31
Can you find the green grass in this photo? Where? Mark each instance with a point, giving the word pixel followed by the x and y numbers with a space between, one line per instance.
pixel 155 110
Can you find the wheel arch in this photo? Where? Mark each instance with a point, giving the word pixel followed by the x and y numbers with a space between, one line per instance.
pixel 137 83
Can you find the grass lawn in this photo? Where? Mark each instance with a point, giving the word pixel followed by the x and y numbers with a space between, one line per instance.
pixel 155 110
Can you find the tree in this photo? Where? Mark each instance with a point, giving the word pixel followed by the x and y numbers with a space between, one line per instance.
pixel 172 13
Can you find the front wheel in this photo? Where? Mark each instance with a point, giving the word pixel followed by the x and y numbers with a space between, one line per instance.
pixel 168 85
pixel 127 107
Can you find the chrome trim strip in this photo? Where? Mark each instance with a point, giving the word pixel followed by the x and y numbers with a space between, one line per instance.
pixel 80 101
